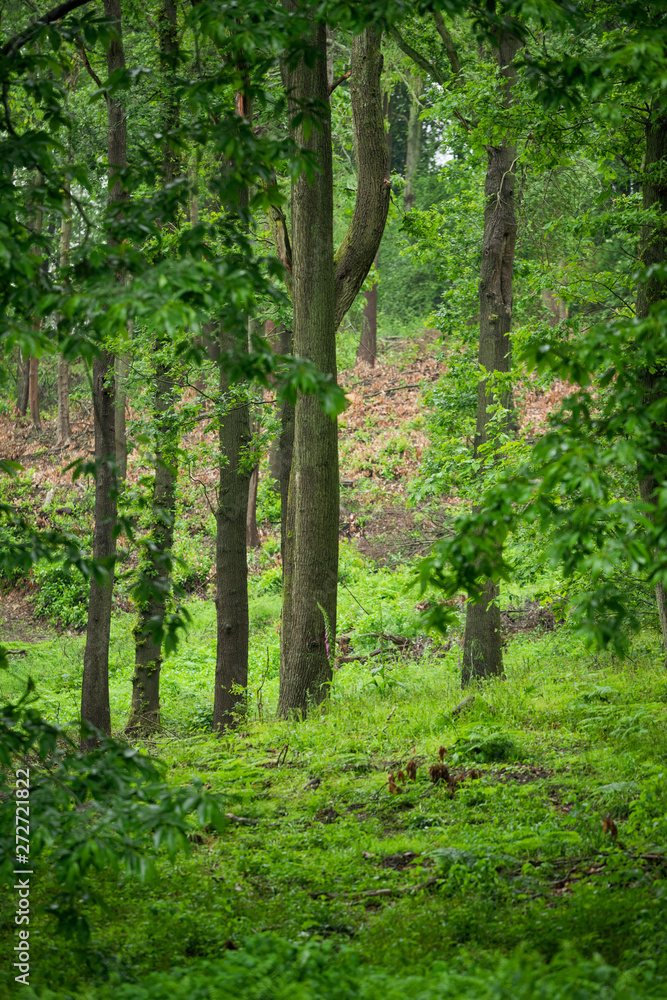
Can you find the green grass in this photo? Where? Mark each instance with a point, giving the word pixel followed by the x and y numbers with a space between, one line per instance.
pixel 522 864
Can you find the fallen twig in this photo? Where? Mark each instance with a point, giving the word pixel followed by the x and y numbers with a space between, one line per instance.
pixel 462 704
pixel 370 893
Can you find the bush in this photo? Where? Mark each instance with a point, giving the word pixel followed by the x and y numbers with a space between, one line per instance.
pixel 270 968
pixel 62 596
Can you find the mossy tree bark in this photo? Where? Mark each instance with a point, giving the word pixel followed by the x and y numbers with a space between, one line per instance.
pixel 651 467
pixel 95 707
pixel 145 711
pixel 482 642
pixel 324 288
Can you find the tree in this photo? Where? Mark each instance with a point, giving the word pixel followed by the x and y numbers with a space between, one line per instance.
pixel 324 287
pixel 482 640
pixel 651 294
pixel 95 708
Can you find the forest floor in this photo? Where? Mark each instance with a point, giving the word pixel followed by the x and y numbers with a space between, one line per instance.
pixel 527 860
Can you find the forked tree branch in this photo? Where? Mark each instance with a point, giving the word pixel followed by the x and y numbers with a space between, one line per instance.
pixel 356 253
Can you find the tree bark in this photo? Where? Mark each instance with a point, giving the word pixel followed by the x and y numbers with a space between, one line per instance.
pixel 145 711
pixel 121 369
pixel 233 631
pixel 414 138
pixel 233 626
pixel 368 342
pixel 482 641
pixel 63 429
pixel 253 541
pixel 33 363
pixel 310 568
pixel 33 393
pixel 22 384
pixel 95 708
pixel 356 253
pixel 323 290
pixel 654 251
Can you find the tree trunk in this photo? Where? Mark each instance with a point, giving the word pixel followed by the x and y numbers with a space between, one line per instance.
pixel 22 384
pixel 233 631
pixel 414 141
pixel 253 541
pixel 145 712
pixel 63 429
pixel 323 290
pixel 33 363
pixel 33 393
pixel 310 568
pixel 368 342
pixel 121 369
pixel 654 252
pixel 95 707
pixel 482 640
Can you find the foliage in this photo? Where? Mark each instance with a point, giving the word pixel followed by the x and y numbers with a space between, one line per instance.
pixel 108 808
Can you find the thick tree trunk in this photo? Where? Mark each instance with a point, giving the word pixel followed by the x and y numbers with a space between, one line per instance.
pixel 368 342
pixel 323 291
pixel 95 707
pixel 231 669
pixel 654 251
pixel 310 568
pixel 63 429
pixel 482 641
pixel 145 712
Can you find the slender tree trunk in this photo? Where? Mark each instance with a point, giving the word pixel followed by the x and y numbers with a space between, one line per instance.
pixel 368 342
pixel 310 568
pixel 253 541
pixel 414 141
pixel 482 641
pixel 95 707
pixel 33 393
pixel 22 380
pixel 145 712
pixel 654 252
pixel 231 669
pixel 233 626
pixel 121 369
pixel 33 363
pixel 63 429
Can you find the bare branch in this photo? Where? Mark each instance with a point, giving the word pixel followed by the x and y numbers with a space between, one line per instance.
pixel 345 76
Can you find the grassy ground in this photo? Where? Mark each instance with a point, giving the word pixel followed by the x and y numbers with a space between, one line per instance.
pixel 516 856
pixel 536 873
